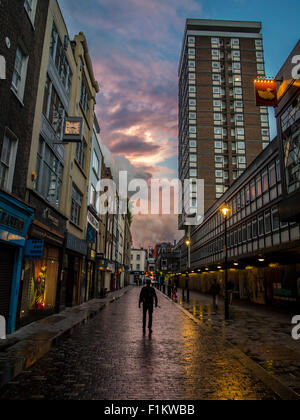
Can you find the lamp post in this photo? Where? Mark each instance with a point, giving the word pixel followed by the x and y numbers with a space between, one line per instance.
pixel 225 210
pixel 188 244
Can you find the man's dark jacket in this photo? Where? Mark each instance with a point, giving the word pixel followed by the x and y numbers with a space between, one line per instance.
pixel 147 297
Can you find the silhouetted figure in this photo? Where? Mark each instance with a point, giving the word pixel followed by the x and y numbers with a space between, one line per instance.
pixel 147 297
pixel 215 291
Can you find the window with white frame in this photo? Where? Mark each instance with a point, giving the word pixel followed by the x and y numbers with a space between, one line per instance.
pixel 218 131
pixel 235 41
pixel 218 144
pixel 219 159
pixel 217 104
pixel 85 96
pixel 239 117
pixel 216 77
pixel 49 171
pixel 96 163
pixel 93 196
pixel 192 129
pixel 20 73
pixel 8 160
pixel 192 115
pixel 258 43
pixel 236 54
pixel 193 143
pixel 192 51
pixel 193 158
pixel 30 7
pixel 191 40
pixel 53 108
pixel 215 41
pixel 80 153
pixel 58 54
pixel 265 132
pixel 238 91
pixel 260 66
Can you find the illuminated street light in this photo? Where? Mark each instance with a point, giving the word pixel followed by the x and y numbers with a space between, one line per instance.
pixel 225 210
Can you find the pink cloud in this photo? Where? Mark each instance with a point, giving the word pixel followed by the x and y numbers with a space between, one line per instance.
pixel 135 47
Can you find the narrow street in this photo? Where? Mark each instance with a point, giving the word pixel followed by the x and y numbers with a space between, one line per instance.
pixel 110 359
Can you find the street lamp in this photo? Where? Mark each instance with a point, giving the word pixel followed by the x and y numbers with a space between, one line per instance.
pixel 188 243
pixel 225 210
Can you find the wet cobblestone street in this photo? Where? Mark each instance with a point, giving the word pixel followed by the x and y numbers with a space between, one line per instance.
pixel 110 359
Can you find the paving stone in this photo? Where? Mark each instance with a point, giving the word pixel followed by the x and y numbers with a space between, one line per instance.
pixel 110 359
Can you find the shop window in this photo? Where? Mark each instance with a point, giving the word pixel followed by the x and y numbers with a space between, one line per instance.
pixel 39 287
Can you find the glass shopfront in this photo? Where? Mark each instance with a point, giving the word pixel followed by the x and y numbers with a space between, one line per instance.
pixel 290 125
pixel 39 286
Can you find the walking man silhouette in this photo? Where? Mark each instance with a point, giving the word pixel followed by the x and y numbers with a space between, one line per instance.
pixel 147 297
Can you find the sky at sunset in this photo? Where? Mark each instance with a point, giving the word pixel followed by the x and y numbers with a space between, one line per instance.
pixel 135 47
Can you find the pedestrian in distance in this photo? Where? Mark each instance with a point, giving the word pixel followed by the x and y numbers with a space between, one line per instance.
pixel 230 291
pixel 147 298
pixel 215 291
pixel 174 294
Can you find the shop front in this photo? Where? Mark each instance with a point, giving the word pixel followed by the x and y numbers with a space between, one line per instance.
pixel 15 219
pixel 92 243
pixel 75 269
pixel 41 283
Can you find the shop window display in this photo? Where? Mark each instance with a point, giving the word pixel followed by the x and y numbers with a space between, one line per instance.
pixel 39 288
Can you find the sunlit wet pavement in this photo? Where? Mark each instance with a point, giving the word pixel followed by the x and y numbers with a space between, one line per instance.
pixel 110 359
pixel 263 334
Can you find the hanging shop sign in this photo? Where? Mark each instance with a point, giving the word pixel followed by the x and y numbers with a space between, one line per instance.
pixel 92 221
pixel 266 92
pixel 34 250
pixel 73 130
